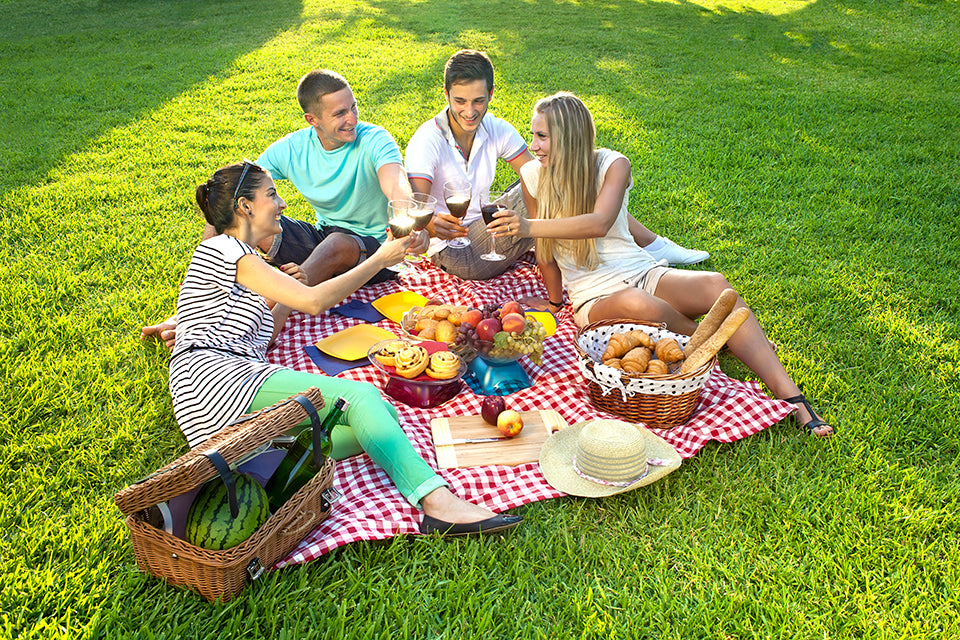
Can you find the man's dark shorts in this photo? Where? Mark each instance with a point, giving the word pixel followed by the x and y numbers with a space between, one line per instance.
pixel 298 240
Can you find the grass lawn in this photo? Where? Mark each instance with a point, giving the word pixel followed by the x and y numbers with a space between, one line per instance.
pixel 811 146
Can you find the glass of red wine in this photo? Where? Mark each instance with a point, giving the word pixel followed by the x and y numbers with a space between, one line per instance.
pixel 401 224
pixel 422 207
pixel 489 207
pixel 456 195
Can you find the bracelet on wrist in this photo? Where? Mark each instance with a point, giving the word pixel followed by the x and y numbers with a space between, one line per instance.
pixel 558 305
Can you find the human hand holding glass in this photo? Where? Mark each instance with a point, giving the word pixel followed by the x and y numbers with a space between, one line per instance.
pixel 401 224
pixel 456 195
pixel 489 208
pixel 422 208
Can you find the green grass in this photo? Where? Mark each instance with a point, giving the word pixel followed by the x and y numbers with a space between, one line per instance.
pixel 812 147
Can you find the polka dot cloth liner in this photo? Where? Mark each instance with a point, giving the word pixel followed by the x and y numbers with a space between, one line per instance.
pixel 594 343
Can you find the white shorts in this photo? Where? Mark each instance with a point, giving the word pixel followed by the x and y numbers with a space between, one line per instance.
pixel 647 281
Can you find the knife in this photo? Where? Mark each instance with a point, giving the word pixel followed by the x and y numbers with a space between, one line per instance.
pixel 470 440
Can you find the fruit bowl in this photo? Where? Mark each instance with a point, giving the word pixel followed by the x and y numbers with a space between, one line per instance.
pixel 422 392
pixel 498 335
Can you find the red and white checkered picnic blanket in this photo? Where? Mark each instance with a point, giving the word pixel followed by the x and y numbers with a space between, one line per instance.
pixel 372 508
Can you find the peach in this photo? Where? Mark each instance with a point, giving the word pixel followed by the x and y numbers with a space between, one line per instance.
pixel 511 307
pixel 513 322
pixel 487 328
pixel 509 423
pixel 471 317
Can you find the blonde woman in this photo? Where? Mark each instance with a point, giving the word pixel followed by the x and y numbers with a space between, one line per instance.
pixel 585 240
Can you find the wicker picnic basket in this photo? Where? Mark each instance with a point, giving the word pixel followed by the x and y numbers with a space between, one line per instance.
pixel 658 401
pixel 224 574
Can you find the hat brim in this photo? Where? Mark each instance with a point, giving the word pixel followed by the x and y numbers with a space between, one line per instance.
pixel 556 463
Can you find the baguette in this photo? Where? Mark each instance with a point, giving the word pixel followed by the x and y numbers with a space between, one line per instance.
pixel 713 345
pixel 712 321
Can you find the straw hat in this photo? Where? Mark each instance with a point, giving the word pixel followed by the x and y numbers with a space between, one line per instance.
pixel 604 457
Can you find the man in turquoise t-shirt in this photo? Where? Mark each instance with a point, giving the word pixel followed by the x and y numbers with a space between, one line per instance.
pixel 347 170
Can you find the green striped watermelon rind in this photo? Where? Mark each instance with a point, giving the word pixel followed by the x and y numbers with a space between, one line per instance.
pixel 209 523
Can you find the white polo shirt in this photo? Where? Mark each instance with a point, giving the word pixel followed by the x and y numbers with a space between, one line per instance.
pixel 433 154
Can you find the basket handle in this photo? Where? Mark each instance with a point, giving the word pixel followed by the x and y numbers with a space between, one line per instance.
pixel 306 516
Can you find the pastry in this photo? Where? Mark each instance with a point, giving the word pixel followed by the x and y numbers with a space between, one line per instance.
pixel 425 323
pixel 446 331
pixel 620 343
pixel 712 321
pixel 708 349
pixel 387 353
pixel 657 367
pixel 443 365
pixel 668 350
pixel 411 361
pixel 636 360
pixel 614 362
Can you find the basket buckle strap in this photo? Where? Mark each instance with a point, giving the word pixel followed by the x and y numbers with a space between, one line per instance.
pixel 228 479
pixel 314 425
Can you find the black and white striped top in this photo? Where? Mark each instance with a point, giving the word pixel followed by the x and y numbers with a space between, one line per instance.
pixel 223 330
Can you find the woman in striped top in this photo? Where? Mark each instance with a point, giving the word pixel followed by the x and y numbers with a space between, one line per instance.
pixel 219 369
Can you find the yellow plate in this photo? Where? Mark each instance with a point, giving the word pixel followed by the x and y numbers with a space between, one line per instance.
pixel 353 342
pixel 546 319
pixel 396 304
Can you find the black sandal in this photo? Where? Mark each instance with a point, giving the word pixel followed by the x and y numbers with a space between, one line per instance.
pixel 815 423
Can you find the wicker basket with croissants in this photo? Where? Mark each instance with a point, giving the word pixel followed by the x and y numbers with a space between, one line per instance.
pixel 636 352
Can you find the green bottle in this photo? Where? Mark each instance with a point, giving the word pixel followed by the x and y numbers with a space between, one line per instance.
pixel 298 466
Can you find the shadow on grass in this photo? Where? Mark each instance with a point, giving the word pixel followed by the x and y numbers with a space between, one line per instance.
pixel 124 59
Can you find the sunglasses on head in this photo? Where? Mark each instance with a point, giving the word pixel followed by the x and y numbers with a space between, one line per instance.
pixel 243 174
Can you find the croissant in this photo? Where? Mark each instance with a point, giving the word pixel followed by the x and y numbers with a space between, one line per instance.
pixel 635 360
pixel 388 352
pixel 620 343
pixel 657 367
pixel 668 350
pixel 411 361
pixel 614 362
pixel 443 365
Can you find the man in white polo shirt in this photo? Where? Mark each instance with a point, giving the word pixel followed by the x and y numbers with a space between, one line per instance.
pixel 465 141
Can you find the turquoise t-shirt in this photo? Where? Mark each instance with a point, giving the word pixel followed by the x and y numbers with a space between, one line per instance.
pixel 342 184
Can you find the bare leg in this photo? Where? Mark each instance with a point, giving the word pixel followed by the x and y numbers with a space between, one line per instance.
pixel 684 295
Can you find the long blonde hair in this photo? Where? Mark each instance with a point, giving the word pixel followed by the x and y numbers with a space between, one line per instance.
pixel 568 184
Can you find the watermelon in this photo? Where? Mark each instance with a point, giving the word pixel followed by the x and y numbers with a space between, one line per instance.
pixel 209 523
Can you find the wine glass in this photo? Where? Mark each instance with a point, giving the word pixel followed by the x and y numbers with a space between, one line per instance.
pixel 489 208
pixel 421 210
pixel 456 195
pixel 401 224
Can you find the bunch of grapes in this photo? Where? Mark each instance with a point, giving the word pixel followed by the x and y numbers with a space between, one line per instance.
pixel 466 334
pixel 528 343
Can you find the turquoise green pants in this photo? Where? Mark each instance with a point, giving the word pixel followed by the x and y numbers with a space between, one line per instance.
pixel 369 425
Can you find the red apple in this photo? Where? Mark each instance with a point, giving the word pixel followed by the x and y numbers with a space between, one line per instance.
pixel 513 322
pixel 511 307
pixel 487 328
pixel 491 409
pixel 509 423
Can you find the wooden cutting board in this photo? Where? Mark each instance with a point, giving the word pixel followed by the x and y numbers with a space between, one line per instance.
pixel 523 448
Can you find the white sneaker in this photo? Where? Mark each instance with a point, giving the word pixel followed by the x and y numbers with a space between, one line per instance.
pixel 674 254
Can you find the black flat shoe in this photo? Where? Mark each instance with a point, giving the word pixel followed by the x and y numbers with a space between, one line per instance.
pixel 815 423
pixel 498 522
